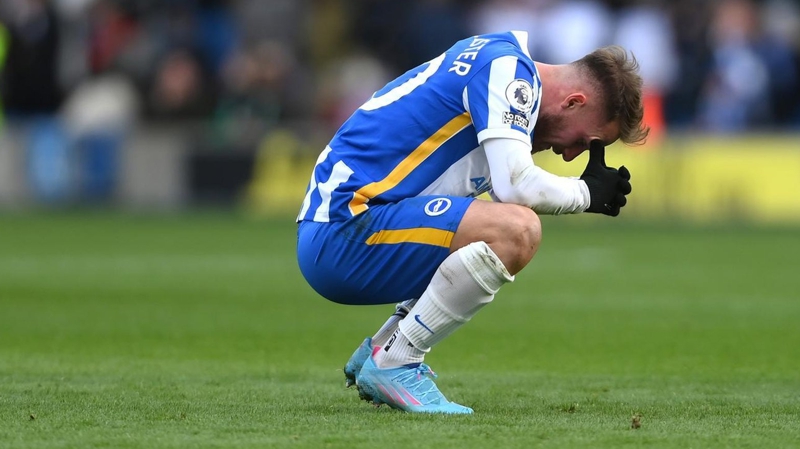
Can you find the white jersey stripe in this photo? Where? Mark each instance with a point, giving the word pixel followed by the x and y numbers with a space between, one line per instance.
pixel 341 173
pixel 312 185
pixel 522 40
pixel 502 73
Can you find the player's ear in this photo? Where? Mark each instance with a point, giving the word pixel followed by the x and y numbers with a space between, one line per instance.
pixel 573 100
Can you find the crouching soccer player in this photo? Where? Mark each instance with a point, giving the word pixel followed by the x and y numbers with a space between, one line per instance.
pixel 390 214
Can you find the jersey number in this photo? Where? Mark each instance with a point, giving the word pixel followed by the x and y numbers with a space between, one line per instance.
pixel 412 81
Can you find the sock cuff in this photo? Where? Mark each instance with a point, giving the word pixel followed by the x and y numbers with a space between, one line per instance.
pixel 484 266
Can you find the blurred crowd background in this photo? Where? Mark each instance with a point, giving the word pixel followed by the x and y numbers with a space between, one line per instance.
pixel 79 78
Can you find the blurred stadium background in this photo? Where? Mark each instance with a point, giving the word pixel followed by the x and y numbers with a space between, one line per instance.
pixel 166 105
pixel 153 155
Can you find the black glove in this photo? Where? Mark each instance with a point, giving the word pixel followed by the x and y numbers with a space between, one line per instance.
pixel 607 186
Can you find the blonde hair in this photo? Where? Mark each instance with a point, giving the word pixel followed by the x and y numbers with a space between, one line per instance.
pixel 616 77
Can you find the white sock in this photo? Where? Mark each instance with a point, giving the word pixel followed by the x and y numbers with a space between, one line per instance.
pixel 465 282
pixel 398 351
pixel 390 326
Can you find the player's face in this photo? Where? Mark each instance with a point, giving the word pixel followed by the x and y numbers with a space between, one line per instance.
pixel 569 133
pixel 574 140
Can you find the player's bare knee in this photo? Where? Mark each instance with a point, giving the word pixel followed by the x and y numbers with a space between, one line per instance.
pixel 523 234
pixel 529 234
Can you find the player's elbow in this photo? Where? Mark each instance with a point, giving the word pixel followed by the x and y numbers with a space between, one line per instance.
pixel 511 194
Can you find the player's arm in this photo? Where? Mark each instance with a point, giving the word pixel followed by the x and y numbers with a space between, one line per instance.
pixel 516 179
pixel 502 99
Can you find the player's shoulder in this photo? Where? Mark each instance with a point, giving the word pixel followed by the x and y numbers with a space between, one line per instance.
pixel 514 43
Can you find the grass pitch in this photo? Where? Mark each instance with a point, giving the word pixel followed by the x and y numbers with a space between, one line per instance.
pixel 199 331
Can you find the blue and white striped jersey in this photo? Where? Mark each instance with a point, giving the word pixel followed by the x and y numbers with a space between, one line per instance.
pixel 421 133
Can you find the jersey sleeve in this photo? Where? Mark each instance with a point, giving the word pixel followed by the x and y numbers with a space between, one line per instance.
pixel 503 99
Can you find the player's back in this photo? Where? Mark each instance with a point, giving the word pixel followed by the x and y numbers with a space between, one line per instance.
pixel 411 134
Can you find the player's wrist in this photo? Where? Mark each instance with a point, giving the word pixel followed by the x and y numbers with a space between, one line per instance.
pixel 585 196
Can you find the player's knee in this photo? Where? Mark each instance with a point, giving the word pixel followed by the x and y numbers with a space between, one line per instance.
pixel 524 234
pixel 529 233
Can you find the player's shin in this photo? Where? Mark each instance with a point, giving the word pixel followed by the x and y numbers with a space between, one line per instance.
pixel 465 282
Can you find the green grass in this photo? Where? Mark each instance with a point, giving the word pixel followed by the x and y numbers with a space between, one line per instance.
pixel 199 331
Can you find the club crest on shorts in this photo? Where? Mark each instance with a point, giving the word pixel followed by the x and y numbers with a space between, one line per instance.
pixel 520 95
pixel 437 206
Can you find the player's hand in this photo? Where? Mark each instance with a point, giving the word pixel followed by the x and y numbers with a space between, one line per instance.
pixel 607 186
